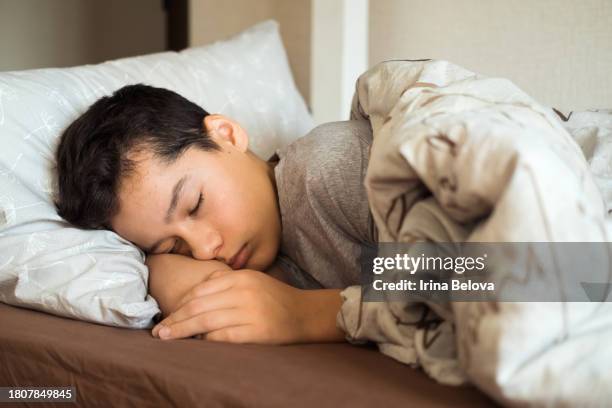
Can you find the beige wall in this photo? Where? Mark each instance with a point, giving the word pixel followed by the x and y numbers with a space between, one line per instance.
pixel 58 33
pixel 559 51
pixel 212 20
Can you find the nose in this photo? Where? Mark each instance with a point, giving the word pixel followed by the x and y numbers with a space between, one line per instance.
pixel 204 243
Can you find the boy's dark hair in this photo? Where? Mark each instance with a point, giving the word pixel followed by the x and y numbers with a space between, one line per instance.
pixel 92 155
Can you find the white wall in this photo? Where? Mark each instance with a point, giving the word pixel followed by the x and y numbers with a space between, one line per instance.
pixel 58 33
pixel 559 51
pixel 339 54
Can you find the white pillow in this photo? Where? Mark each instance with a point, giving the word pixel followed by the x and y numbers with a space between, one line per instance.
pixel 48 265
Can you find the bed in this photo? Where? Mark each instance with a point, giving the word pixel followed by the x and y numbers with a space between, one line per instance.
pixel 129 368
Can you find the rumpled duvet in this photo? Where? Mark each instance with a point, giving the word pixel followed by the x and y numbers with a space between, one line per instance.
pixel 458 157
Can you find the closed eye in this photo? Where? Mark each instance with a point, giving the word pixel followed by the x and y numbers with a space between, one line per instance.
pixel 195 209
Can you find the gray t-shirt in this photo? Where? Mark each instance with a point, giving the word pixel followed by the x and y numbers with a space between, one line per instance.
pixel 324 208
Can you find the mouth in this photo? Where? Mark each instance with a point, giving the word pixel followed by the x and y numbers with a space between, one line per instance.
pixel 240 259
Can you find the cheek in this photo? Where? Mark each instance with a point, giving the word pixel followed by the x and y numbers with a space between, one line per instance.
pixel 229 210
pixel 234 203
pixel 234 210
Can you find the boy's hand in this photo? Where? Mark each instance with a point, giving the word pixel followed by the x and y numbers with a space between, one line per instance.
pixel 248 306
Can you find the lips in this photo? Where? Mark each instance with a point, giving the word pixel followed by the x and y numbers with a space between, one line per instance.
pixel 240 258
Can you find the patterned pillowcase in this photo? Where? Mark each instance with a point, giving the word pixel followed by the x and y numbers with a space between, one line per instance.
pixel 48 265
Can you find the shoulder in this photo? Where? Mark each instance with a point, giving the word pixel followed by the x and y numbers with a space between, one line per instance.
pixel 321 176
pixel 334 138
pixel 330 152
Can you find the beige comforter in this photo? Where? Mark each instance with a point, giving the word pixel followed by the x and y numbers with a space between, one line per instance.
pixel 460 157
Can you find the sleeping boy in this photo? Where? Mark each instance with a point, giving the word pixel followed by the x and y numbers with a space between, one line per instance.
pixel 239 249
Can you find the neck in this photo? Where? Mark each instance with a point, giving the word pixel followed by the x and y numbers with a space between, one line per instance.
pixel 267 166
pixel 270 165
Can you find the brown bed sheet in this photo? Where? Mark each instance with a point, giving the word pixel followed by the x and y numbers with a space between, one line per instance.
pixel 113 367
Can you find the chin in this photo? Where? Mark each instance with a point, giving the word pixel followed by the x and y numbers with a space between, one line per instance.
pixel 260 263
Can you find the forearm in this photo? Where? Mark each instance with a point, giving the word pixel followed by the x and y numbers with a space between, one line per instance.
pixel 172 276
pixel 319 310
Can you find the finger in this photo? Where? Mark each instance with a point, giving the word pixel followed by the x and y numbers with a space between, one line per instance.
pixel 210 285
pixel 233 334
pixel 203 323
pixel 189 304
pixel 222 300
pixel 218 273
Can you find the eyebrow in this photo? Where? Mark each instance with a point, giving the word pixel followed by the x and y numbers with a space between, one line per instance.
pixel 176 194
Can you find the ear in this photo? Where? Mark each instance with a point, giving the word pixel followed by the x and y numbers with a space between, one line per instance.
pixel 224 130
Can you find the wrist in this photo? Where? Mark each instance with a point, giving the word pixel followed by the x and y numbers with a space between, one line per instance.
pixel 318 315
